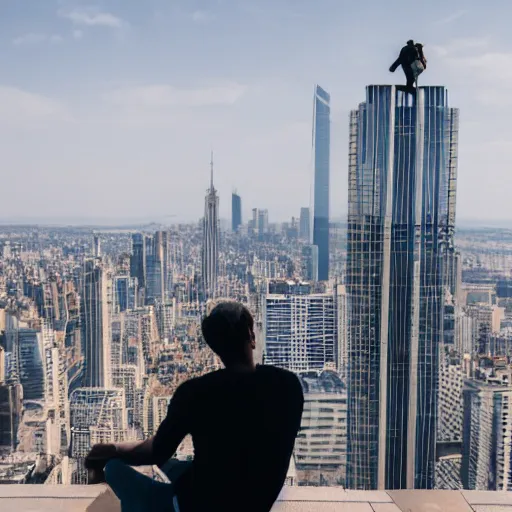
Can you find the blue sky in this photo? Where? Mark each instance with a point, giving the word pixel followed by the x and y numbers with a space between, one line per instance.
pixel 110 109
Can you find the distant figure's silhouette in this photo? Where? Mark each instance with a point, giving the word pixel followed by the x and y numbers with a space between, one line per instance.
pixel 413 63
pixel 243 421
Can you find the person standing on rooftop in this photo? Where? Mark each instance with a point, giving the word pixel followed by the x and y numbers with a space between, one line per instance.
pixel 243 420
pixel 413 63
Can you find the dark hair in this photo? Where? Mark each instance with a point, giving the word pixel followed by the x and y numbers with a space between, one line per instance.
pixel 226 329
pixel 410 41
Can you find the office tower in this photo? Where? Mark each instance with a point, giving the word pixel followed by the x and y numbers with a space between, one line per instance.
pixel 486 453
pixel 321 146
pixel 262 223
pixel 400 160
pixel 310 262
pixel 300 328
pixel 157 267
pixel 31 363
pixel 236 212
pixel 96 246
pixel 321 445
pixel 138 259
pixel 304 225
pixel 11 408
pixel 125 293
pixel 255 218
pixel 211 239
pixel 95 323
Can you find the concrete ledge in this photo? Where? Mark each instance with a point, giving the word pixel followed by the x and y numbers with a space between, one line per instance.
pixel 99 498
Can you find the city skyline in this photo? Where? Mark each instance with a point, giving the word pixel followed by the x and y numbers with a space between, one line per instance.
pixel 144 121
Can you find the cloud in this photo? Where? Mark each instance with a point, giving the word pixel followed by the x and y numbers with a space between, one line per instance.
pixel 19 106
pixel 452 17
pixel 460 45
pixel 161 96
pixel 36 38
pixel 201 16
pixel 78 34
pixel 91 17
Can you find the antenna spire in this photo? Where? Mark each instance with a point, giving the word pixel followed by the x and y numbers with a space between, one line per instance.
pixel 211 171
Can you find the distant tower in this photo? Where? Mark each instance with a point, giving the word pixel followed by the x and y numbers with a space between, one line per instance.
pixel 157 267
pixel 236 212
pixel 262 223
pixel 138 259
pixel 211 238
pixel 95 312
pixel 321 145
pixel 304 225
pixel 97 246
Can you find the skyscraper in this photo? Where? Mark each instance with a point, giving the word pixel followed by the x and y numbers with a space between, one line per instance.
pixel 211 239
pixel 262 223
pixel 321 145
pixel 95 311
pixel 138 259
pixel 236 212
pixel 401 192
pixel 157 267
pixel 304 225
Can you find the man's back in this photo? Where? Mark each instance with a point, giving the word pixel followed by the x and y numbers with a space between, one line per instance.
pixel 243 425
pixel 408 54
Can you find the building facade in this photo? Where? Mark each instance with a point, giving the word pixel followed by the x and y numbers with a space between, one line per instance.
pixel 321 445
pixel 321 147
pixel 300 330
pixel 400 186
pixel 487 443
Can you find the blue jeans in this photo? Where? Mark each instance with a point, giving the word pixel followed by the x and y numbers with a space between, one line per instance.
pixel 140 493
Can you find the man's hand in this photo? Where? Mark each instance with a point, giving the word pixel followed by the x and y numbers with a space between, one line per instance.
pixel 99 455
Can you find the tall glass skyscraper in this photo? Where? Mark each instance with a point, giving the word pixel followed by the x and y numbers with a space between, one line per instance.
pixel 321 145
pixel 402 176
pixel 211 239
pixel 236 212
pixel 96 324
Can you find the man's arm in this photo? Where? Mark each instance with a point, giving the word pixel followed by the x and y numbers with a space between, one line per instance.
pixel 139 453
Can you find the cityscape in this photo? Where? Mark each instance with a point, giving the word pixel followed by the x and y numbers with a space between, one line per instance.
pixel 398 325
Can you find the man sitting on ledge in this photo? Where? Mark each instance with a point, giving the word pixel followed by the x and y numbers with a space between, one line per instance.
pixel 243 420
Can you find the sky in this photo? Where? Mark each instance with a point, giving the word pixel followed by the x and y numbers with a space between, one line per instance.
pixel 109 110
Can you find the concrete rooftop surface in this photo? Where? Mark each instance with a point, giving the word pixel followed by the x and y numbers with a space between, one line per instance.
pixel 98 498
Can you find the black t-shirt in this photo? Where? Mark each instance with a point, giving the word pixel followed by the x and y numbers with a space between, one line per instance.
pixel 243 427
pixel 408 55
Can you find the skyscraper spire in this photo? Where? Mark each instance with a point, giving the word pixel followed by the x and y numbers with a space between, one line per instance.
pixel 211 172
pixel 211 238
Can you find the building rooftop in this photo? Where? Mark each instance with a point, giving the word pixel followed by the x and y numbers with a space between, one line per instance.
pixel 98 498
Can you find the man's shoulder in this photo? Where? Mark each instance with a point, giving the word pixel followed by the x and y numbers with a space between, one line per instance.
pixel 285 377
pixel 201 381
